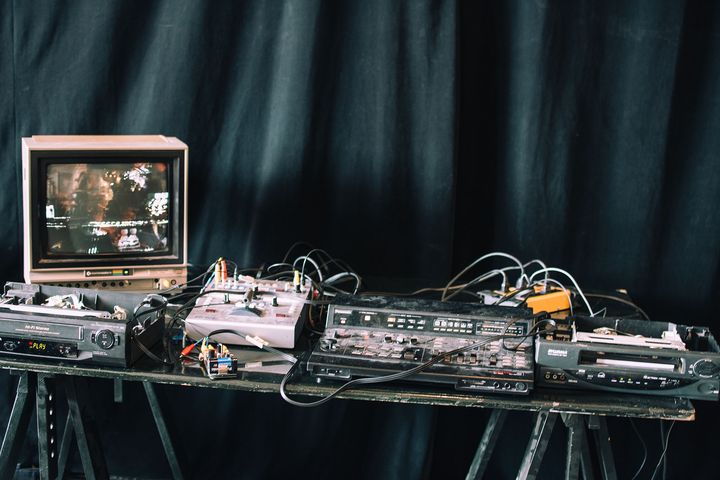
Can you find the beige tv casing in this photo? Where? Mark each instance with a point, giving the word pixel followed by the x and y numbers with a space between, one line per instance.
pixel 143 278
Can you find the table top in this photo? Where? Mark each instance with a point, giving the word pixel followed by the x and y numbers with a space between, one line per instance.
pixel 264 381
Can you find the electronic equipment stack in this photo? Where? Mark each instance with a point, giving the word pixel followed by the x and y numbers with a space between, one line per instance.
pixel 374 335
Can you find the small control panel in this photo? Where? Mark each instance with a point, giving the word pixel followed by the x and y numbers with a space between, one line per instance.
pixel 418 322
pixel 105 339
pixel 626 381
pixel 38 347
pixel 420 348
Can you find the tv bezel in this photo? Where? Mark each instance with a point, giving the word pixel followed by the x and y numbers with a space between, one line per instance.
pixel 39 161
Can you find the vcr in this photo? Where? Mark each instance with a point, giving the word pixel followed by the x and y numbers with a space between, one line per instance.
pixel 77 325
pixel 374 335
pixel 630 356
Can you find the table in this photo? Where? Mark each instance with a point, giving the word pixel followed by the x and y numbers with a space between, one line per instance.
pixel 580 412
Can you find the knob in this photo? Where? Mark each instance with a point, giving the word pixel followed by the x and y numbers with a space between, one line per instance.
pixel 705 368
pixel 105 339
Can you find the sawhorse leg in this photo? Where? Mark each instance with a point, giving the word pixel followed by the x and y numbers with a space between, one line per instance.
pixel 578 458
pixel 46 426
pixel 65 446
pixel 576 447
pixel 88 441
pixel 162 427
pixel 18 423
pixel 598 425
pixel 164 432
pixel 535 451
pixel 487 444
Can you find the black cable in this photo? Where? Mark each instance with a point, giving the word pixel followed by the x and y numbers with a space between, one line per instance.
pixel 286 356
pixel 175 287
pixel 148 352
pixel 395 376
pixel 292 247
pixel 665 443
pixel 512 294
pixel 619 300
pixel 644 447
pixel 540 321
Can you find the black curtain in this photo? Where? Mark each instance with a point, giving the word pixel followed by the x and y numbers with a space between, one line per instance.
pixel 407 138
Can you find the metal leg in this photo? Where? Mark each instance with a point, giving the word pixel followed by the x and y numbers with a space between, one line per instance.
pixel 88 440
pixel 17 425
pixel 602 443
pixel 585 459
pixel 487 444
pixel 575 441
pixel 165 436
pixel 65 446
pixel 118 390
pixel 539 439
pixel 46 426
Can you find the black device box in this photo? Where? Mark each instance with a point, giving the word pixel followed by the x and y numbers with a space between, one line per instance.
pixel 93 335
pixel 630 356
pixel 374 335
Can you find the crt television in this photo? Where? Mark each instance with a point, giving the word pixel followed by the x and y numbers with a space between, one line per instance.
pixel 105 211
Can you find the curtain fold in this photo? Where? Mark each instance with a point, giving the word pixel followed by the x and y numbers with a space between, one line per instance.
pixel 407 138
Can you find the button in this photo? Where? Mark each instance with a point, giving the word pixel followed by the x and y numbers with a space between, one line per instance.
pixel 105 339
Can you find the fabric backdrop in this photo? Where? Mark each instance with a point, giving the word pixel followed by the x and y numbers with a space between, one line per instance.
pixel 406 137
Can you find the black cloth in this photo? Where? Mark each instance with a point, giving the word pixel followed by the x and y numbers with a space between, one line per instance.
pixel 407 138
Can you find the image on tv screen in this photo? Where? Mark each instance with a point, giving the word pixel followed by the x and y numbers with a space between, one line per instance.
pixel 107 208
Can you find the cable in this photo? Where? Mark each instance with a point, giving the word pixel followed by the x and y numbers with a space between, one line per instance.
pixel 484 257
pixel 256 341
pixel 666 442
pixel 620 300
pixel 293 247
pixel 572 279
pixel 341 276
pixel 513 294
pixel 399 375
pixel 148 352
pixel 480 279
pixel 563 288
pixel 305 259
pixel 644 447
pixel 539 262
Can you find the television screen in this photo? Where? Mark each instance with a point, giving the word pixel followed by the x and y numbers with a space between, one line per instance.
pixel 106 209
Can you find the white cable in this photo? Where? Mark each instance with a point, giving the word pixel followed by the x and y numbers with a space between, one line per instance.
pixel 539 262
pixel 484 257
pixel 560 270
pixel 552 280
pixel 481 278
